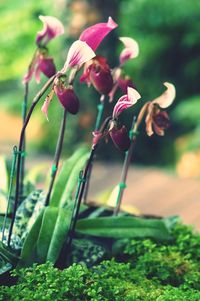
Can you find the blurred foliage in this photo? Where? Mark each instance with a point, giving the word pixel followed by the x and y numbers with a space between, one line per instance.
pixel 168 35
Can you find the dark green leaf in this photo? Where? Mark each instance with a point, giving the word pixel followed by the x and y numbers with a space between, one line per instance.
pixel 28 254
pixel 123 227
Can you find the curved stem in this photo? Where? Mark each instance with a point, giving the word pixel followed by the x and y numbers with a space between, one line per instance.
pixel 20 148
pixel 100 108
pixel 24 112
pixel 57 156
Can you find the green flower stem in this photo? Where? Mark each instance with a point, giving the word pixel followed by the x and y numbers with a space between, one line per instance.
pixel 122 184
pixel 24 112
pixel 20 150
pixel 57 156
pixel 100 108
pixel 12 174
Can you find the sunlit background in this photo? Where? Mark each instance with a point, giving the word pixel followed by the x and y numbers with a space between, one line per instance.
pixel 168 34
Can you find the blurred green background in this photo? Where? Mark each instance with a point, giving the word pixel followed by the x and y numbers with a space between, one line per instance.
pixel 168 34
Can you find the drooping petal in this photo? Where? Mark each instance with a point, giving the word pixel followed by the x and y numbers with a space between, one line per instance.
pixel 126 101
pixel 130 51
pixel 27 77
pixel 167 97
pixel 52 28
pixel 78 54
pixel 46 104
pixel 93 35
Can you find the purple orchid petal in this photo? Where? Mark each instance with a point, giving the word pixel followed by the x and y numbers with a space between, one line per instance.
pixel 79 53
pixel 47 66
pixel 52 28
pixel 93 35
pixel 167 97
pixel 126 101
pixel 27 77
pixel 130 51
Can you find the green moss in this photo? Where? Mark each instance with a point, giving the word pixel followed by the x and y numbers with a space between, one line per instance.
pixel 154 272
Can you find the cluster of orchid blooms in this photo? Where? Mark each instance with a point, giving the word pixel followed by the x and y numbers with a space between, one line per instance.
pixel 98 74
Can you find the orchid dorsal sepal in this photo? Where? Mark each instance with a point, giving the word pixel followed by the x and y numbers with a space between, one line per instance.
pixel 93 35
pixel 130 51
pixel 167 97
pixel 78 54
pixel 126 101
pixel 52 27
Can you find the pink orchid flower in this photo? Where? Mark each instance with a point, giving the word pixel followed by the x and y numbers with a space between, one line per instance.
pixel 157 120
pixel 41 63
pixel 126 101
pixel 97 72
pixel 130 51
pixel 93 35
pixel 52 28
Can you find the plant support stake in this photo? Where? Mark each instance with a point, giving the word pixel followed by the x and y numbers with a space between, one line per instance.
pixel 127 159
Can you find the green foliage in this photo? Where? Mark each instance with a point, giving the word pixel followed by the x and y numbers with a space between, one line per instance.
pixel 70 169
pixel 123 227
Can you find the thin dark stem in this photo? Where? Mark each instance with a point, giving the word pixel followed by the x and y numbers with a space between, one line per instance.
pixel 84 178
pixel 24 112
pixel 100 108
pixel 20 148
pixel 57 156
pixel 80 195
pixel 125 168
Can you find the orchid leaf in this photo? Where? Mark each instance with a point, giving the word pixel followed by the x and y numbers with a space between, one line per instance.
pixel 64 174
pixel 28 254
pixel 59 234
pixel 46 230
pixel 123 227
pixel 73 180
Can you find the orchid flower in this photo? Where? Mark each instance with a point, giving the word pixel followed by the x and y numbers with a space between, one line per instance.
pixel 98 73
pixel 157 120
pixel 52 28
pixel 126 101
pixel 118 133
pixel 130 51
pixel 93 35
pixel 41 62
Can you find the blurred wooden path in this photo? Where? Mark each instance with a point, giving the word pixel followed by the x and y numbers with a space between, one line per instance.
pixel 153 191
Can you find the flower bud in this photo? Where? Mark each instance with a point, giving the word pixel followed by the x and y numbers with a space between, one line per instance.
pixel 68 99
pixel 120 138
pixel 47 66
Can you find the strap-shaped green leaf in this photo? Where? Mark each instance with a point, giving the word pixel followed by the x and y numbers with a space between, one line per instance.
pixel 59 234
pixel 63 176
pixel 46 231
pixel 28 254
pixel 123 227
pixel 73 180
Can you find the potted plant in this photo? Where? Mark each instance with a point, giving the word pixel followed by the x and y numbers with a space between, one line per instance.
pixel 63 247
